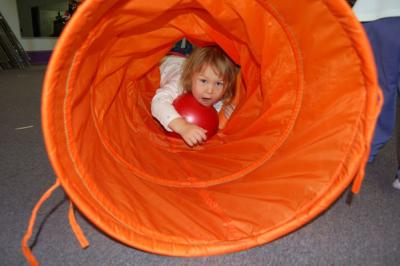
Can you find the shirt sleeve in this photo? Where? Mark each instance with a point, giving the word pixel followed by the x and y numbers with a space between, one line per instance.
pixel 161 104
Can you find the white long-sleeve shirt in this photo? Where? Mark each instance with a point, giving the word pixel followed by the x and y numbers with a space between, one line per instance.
pixel 170 88
pixel 368 10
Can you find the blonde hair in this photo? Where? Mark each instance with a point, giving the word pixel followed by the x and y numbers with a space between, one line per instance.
pixel 216 58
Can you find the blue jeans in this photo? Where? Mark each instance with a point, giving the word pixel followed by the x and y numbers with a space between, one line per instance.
pixel 383 35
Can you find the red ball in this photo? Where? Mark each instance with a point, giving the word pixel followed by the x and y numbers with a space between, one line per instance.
pixel 196 113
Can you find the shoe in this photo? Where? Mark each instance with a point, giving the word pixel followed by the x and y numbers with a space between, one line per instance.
pixel 396 183
pixel 183 47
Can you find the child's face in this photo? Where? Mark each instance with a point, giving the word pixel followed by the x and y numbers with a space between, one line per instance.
pixel 207 86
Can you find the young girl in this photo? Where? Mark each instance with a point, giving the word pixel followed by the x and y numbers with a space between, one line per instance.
pixel 209 74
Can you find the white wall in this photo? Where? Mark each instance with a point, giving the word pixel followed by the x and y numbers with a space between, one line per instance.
pixel 9 10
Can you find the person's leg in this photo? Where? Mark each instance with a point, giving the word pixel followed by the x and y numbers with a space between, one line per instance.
pixel 383 36
pixel 398 130
pixel 396 183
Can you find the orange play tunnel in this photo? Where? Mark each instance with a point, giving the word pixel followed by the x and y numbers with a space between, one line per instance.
pixel 299 137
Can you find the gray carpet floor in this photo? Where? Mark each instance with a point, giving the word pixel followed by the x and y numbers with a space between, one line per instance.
pixel 365 233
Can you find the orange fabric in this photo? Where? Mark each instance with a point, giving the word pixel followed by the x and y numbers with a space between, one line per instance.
pixel 298 138
pixel 31 259
pixel 25 248
pixel 76 228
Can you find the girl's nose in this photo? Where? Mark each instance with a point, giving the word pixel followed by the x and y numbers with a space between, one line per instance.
pixel 209 88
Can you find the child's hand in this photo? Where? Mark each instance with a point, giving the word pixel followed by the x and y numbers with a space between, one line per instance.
pixel 193 135
pixel 228 111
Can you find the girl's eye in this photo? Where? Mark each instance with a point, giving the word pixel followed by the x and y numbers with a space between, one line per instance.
pixel 204 81
pixel 220 84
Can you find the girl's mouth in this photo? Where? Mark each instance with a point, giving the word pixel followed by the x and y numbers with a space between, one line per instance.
pixel 206 101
